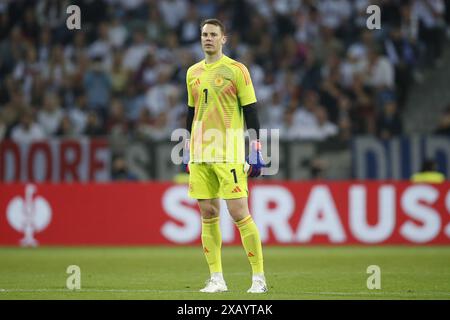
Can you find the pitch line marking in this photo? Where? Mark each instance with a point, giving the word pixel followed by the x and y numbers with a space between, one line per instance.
pixel 96 290
pixel 391 293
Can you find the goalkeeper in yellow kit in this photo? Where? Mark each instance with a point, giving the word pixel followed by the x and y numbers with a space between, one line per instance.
pixel 220 97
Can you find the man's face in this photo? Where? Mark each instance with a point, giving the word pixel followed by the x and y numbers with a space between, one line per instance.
pixel 27 120
pixel 212 39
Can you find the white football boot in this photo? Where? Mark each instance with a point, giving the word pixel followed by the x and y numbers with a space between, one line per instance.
pixel 215 284
pixel 258 284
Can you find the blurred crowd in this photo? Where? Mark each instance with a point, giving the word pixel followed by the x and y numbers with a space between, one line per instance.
pixel 318 71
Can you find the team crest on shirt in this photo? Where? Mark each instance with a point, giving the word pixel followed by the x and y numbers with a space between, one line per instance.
pixel 218 81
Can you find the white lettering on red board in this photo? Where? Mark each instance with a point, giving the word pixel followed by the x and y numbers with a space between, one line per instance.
pixel 274 208
pixel 55 161
pixel 358 207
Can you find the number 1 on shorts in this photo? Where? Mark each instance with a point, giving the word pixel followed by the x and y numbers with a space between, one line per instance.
pixel 233 171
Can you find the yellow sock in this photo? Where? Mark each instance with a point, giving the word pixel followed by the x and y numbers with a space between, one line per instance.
pixel 212 244
pixel 252 243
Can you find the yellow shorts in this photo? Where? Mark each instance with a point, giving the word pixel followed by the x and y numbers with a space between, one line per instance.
pixel 217 180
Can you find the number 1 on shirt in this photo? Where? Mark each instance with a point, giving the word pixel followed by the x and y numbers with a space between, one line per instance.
pixel 205 91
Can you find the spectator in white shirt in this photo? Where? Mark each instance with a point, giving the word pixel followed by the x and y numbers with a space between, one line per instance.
pixel 334 12
pixel 27 131
pixel 318 130
pixel 274 112
pixel 78 114
pixel 430 14
pixel 102 48
pixel 173 11
pixel 58 68
pixel 360 9
pixel 26 71
pixel 188 28
pixel 50 116
pixel 296 120
pixel 136 52
pixel 130 5
pixel 355 63
pixel 325 128
pixel 117 33
pixel 380 70
pixel 157 97
pixel 305 116
pixel 75 50
pixel 307 25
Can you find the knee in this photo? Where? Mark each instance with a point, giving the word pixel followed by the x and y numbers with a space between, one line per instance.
pixel 209 211
pixel 238 211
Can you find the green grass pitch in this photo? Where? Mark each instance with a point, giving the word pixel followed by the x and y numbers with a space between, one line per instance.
pixel 316 272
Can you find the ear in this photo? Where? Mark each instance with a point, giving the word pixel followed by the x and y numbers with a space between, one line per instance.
pixel 224 40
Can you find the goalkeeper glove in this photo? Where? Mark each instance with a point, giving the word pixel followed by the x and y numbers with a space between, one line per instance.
pixel 186 156
pixel 255 161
